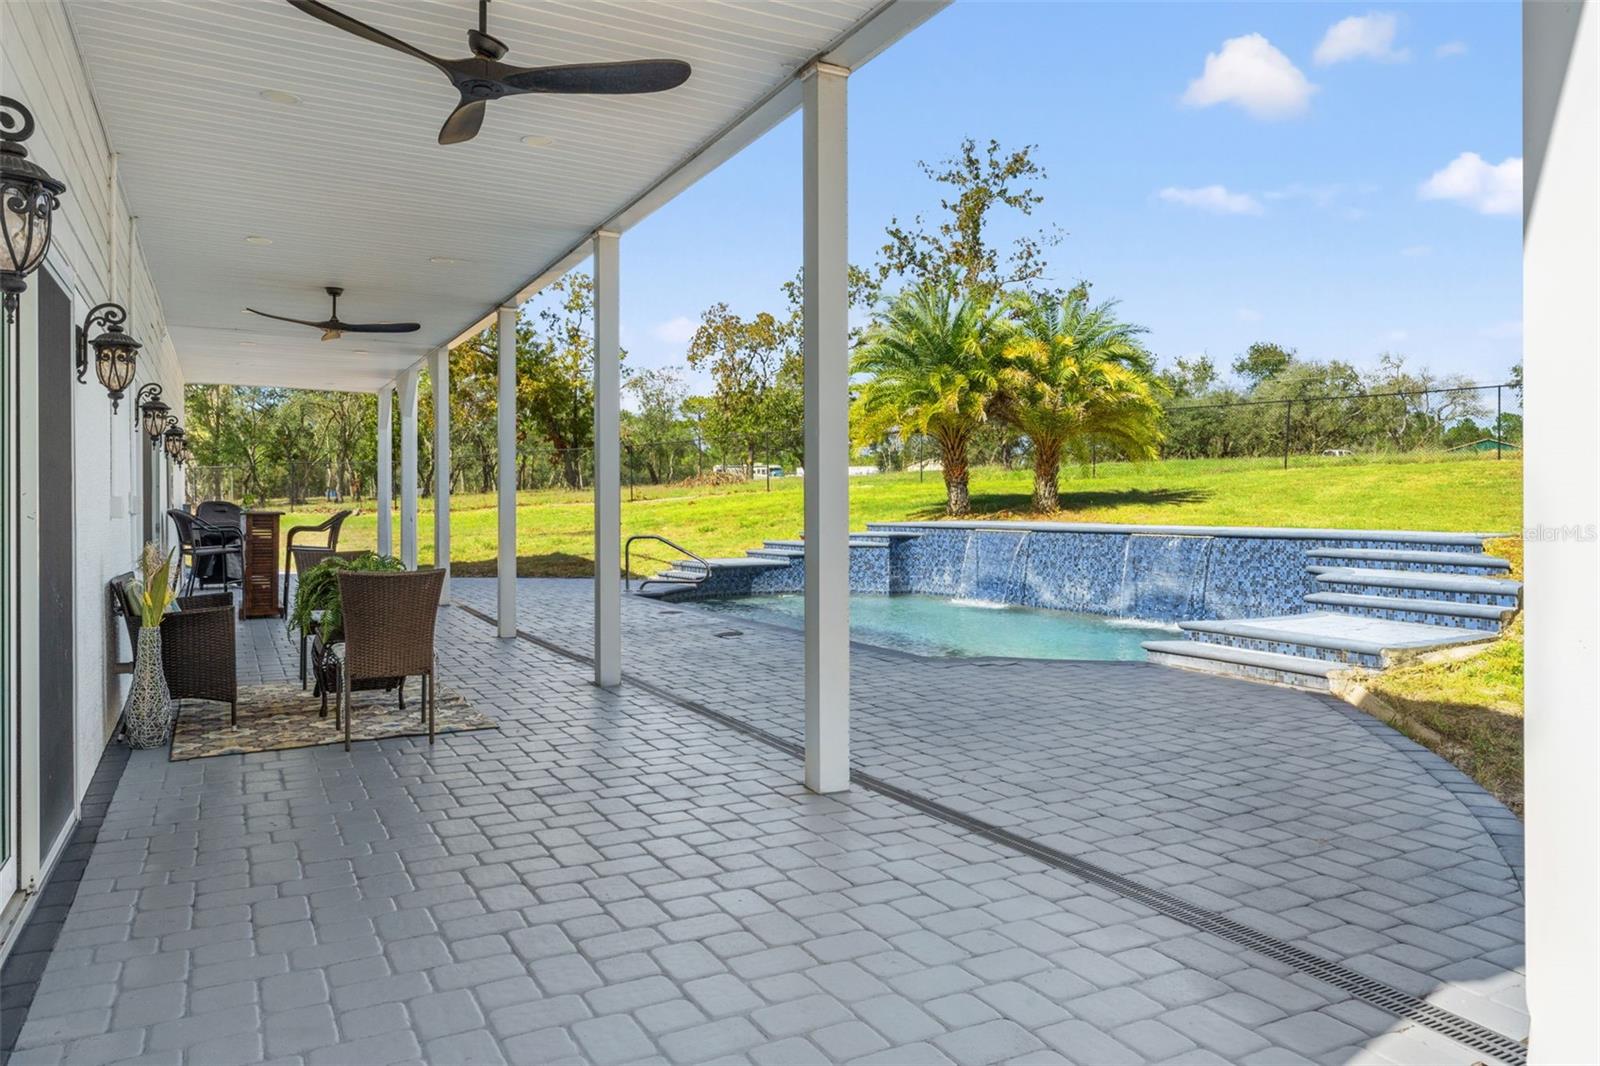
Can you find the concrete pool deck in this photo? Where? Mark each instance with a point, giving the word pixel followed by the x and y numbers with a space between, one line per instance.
pixel 637 876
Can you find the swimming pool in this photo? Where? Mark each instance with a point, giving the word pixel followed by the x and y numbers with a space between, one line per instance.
pixel 941 626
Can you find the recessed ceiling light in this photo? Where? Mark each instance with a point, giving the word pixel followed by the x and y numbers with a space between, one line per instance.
pixel 358 351
pixel 444 260
pixel 247 344
pixel 253 239
pixel 534 140
pixel 278 96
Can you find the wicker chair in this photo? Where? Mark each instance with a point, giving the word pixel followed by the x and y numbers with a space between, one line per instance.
pixel 388 633
pixel 292 555
pixel 201 542
pixel 197 651
pixel 304 560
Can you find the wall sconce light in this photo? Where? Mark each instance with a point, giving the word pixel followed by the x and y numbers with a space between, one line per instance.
pixel 116 354
pixel 28 199
pixel 175 440
pixel 153 413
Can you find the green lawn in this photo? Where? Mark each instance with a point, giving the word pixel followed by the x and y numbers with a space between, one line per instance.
pixel 555 527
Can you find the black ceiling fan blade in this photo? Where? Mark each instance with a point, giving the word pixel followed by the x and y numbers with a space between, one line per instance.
pixel 296 321
pixel 376 327
pixel 638 76
pixel 464 122
pixel 318 10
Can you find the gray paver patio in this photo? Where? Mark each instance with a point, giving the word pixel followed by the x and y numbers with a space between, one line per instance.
pixel 610 877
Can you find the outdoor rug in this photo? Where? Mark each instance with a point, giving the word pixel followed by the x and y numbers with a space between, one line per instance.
pixel 280 715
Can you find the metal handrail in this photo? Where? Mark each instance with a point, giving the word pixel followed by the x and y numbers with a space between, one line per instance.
pixel 627 563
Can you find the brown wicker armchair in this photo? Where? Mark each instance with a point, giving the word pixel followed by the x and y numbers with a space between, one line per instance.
pixel 197 651
pixel 293 555
pixel 388 633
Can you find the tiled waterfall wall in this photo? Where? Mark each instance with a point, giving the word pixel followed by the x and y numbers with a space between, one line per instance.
pixel 1155 573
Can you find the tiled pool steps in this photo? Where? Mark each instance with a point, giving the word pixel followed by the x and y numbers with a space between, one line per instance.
pixel 1373 607
pixel 1370 606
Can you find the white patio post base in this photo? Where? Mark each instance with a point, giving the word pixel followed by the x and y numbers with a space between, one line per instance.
pixel 827 434
pixel 607 464
pixel 506 482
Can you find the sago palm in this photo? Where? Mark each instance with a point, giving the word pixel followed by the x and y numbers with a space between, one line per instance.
pixel 930 363
pixel 1073 374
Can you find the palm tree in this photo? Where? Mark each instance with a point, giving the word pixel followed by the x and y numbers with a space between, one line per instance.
pixel 1073 375
pixel 930 362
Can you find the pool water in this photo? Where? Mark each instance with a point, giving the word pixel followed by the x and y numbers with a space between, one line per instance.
pixel 937 625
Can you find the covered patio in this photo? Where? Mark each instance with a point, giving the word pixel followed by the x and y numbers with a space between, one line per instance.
pixel 670 849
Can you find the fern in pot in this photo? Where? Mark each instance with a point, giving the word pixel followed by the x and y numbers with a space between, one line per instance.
pixel 316 597
pixel 149 711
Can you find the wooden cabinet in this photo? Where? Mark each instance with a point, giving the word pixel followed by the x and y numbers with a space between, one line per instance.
pixel 260 598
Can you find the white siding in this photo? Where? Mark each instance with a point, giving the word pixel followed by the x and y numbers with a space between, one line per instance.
pixel 91 251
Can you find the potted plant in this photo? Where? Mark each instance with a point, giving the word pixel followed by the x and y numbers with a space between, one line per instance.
pixel 316 597
pixel 149 711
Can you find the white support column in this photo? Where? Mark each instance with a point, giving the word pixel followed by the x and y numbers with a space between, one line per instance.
pixel 408 466
pixel 1561 332
pixel 386 470
pixel 439 371
pixel 607 464
pixel 827 433
pixel 506 461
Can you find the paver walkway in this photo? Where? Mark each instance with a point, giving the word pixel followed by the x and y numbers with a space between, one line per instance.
pixel 611 877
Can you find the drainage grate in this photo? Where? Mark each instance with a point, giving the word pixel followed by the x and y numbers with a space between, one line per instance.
pixel 1368 990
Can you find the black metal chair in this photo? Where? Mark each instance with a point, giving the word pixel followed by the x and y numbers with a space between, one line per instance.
pixel 202 543
pixel 292 555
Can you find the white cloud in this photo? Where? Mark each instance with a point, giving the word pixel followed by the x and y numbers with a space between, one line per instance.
pixel 1416 251
pixel 1214 198
pixel 1361 37
pixel 1488 188
pixel 678 330
pixel 1449 49
pixel 1250 72
pixel 1249 314
pixel 1509 330
pixel 1395 336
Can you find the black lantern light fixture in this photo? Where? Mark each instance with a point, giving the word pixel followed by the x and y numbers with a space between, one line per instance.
pixel 176 440
pixel 28 200
pixel 116 354
pixel 152 412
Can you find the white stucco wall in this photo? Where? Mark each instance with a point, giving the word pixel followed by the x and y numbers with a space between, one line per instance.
pixel 93 253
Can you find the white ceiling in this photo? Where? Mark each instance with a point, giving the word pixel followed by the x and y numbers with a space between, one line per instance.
pixel 351 186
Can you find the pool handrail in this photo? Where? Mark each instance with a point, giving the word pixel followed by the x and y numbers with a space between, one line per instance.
pixel 627 565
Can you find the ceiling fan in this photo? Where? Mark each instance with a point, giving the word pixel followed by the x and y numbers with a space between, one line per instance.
pixel 333 329
pixel 481 77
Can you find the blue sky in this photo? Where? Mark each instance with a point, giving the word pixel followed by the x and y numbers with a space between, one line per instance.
pixel 1231 173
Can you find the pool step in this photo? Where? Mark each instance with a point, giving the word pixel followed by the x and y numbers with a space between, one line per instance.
pixel 1479 616
pixel 1295 671
pixel 1413 584
pixel 1442 562
pixel 1332 636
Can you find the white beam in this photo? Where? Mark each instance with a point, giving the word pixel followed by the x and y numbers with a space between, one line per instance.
pixel 827 432
pixel 607 464
pixel 439 371
pixel 408 467
pixel 1561 332
pixel 386 470
pixel 506 460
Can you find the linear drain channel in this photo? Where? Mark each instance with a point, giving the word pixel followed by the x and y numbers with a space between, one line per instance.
pixel 1368 990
